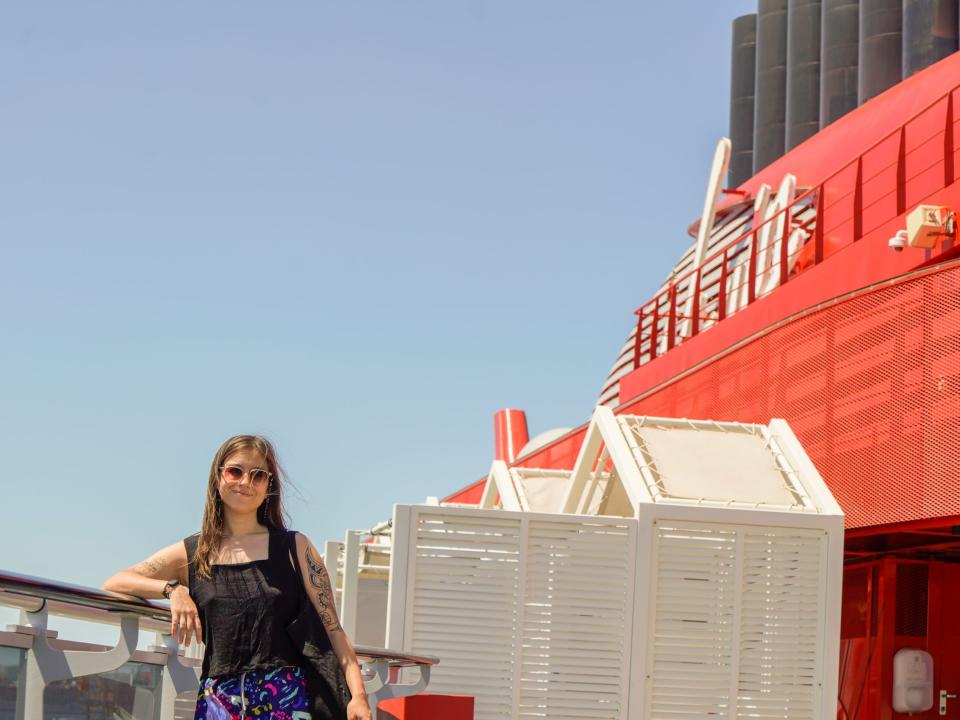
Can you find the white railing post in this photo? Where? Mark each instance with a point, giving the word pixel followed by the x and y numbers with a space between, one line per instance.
pixel 351 582
pixel 331 554
pixel 177 677
pixel 399 572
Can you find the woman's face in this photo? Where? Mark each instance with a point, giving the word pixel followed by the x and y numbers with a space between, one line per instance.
pixel 244 479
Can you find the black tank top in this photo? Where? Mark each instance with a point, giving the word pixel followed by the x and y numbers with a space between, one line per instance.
pixel 245 609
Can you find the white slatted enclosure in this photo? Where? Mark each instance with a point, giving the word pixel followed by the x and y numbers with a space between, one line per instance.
pixel 694 574
pixel 737 625
pixel 509 602
pixel 739 566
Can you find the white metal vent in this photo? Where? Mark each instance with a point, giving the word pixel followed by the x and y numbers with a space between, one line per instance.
pixel 465 604
pixel 781 623
pixel 737 622
pixel 694 574
pixel 509 602
pixel 573 661
pixel 691 639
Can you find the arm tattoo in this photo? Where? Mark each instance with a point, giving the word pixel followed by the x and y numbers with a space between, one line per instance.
pixel 321 582
pixel 150 567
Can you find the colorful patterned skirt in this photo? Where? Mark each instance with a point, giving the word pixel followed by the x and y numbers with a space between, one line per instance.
pixel 279 694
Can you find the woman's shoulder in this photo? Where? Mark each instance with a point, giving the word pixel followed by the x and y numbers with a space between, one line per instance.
pixel 300 539
pixel 190 544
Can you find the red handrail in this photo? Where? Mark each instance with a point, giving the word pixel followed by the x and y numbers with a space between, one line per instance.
pixel 887 182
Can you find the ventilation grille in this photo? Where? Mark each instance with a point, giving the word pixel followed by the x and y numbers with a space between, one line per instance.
pixel 737 622
pixel 576 607
pixel 870 386
pixel 465 606
pixel 911 612
pixel 531 616
pixel 692 639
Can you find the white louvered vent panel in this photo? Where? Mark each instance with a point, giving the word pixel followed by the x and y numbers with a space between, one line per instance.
pixel 737 622
pixel 465 604
pixel 690 652
pixel 574 638
pixel 783 573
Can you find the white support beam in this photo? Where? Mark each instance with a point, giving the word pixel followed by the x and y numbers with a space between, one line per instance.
pixel 399 568
pixel 583 468
pixel 517 483
pixel 331 558
pixel 592 486
pixel 509 499
pixel 622 457
pixel 489 498
pixel 351 582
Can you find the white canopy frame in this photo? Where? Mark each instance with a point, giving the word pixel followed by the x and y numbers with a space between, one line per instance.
pixel 523 489
pixel 699 562
pixel 637 455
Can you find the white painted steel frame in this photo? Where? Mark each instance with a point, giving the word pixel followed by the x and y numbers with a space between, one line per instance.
pixel 831 525
pixel 604 432
pixel 538 602
pixel 610 435
pixel 640 547
pixel 816 515
pixel 349 596
pixel 500 485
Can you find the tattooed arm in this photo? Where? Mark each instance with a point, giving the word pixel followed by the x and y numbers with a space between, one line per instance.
pixel 148 580
pixel 320 591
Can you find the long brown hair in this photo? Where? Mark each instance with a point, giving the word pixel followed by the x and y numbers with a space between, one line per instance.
pixel 270 513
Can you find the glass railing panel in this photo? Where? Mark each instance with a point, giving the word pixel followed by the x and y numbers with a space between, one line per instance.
pixel 131 691
pixel 11 670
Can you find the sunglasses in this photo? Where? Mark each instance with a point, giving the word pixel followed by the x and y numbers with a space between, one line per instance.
pixel 235 473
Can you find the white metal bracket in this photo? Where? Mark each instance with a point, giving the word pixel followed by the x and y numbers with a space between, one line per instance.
pixel 380 687
pixel 46 664
pixel 177 677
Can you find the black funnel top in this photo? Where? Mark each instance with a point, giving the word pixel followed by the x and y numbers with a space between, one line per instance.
pixel 770 100
pixel 839 45
pixel 803 71
pixel 743 63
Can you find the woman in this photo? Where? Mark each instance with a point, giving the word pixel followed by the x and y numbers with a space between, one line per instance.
pixel 234 587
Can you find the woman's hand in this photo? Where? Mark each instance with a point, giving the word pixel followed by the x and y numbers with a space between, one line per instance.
pixel 359 709
pixel 184 618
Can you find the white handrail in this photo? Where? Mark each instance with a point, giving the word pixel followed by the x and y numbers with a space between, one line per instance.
pixel 49 658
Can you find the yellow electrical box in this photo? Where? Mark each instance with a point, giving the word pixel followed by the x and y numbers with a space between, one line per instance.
pixel 925 224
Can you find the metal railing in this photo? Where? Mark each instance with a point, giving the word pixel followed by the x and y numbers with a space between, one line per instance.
pixel 48 659
pixel 898 172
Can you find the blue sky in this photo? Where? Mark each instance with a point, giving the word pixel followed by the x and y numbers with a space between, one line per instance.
pixel 360 228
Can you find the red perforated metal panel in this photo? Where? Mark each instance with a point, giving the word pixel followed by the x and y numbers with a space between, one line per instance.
pixel 869 383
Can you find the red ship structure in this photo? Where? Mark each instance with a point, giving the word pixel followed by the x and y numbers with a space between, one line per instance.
pixel 824 288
